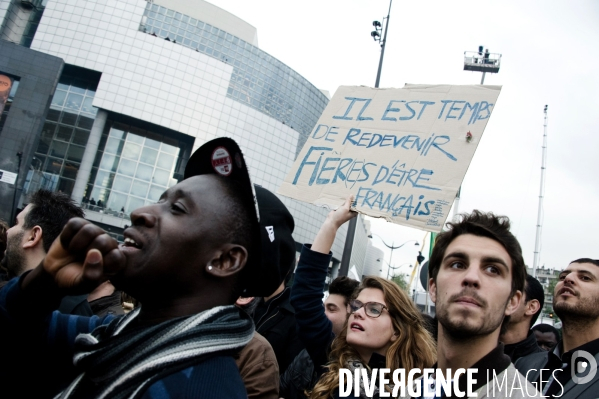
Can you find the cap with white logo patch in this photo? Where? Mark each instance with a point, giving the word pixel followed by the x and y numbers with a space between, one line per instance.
pixel 273 257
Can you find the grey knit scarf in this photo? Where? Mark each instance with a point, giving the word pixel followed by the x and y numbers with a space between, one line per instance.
pixel 354 364
pixel 119 364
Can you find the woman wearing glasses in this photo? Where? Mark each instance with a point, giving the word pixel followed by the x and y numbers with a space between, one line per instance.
pixel 383 330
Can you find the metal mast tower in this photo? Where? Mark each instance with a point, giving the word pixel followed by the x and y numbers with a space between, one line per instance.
pixel 541 195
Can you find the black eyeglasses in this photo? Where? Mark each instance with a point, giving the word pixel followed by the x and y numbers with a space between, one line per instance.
pixel 372 309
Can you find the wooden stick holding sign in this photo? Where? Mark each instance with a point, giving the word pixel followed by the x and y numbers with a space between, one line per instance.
pixel 402 153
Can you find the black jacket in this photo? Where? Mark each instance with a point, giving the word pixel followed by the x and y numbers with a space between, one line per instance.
pixel 531 365
pixel 275 320
pixel 299 377
pixel 526 347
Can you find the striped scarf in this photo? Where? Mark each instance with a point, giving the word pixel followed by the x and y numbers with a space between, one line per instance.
pixel 353 365
pixel 123 365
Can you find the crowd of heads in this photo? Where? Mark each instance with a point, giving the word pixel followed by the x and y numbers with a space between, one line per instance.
pixel 205 244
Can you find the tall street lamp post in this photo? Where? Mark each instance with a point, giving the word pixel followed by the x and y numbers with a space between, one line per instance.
pixel 351 227
pixel 392 247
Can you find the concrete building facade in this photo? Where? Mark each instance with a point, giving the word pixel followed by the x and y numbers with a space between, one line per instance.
pixel 132 88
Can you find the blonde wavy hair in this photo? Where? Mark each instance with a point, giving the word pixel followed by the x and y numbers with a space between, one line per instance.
pixel 413 348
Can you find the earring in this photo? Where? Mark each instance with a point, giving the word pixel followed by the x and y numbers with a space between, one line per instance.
pixel 209 268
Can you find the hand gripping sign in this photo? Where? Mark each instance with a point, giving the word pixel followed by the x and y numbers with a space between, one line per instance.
pixel 402 153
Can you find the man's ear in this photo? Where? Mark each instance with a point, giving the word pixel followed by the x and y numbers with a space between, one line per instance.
pixel 432 290
pixel 229 260
pixel 532 307
pixel 513 303
pixel 33 237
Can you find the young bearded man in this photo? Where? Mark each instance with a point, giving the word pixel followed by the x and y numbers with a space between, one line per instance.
pixel 476 279
pixel 569 370
pixel 187 259
pixel 35 229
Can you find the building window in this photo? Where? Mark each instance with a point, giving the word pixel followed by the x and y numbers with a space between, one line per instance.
pixel 65 133
pixel 133 168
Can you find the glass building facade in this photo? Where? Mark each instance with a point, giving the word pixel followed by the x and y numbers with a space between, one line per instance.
pixel 258 80
pixel 21 21
pixel 132 169
pixel 143 86
pixel 65 133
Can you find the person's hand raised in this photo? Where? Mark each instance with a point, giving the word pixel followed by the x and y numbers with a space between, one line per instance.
pixel 82 256
pixel 342 214
pixel 326 235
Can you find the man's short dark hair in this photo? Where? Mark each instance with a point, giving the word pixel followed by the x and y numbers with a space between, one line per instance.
pixel 238 226
pixel 587 260
pixel 51 211
pixel 239 223
pixel 546 328
pixel 343 286
pixel 483 225
pixel 534 290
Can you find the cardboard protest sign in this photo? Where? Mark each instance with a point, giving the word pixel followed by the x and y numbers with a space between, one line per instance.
pixel 403 153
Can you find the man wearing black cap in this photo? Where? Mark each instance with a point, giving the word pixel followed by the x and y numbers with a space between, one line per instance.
pixel 186 259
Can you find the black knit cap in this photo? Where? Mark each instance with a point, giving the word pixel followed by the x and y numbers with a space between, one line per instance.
pixel 272 255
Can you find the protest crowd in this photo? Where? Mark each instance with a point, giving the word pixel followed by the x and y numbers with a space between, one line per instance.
pixel 218 308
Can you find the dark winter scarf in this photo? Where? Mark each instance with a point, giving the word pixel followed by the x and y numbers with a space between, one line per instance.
pixel 123 365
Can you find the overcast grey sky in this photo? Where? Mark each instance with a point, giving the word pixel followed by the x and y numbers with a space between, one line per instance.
pixel 550 56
